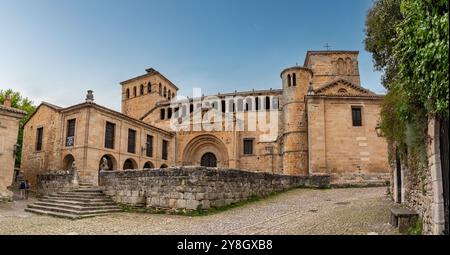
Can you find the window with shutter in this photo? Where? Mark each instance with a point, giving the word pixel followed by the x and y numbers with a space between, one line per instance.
pixel 110 131
pixel 70 138
pixel 149 146
pixel 356 116
pixel 131 141
pixel 248 146
pixel 165 149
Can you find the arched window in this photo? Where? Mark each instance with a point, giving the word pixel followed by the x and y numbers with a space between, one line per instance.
pixel 134 91
pixel 128 93
pixel 165 91
pixel 160 89
pixel 169 94
pixel 173 95
pixel 169 113
pixel 142 89
pixel 289 80
pixel 256 103
pixel 267 103
pixel 248 104
pixel 149 87
pixel 275 103
pixel 294 80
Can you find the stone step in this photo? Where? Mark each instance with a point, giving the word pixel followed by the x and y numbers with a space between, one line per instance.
pixel 63 215
pixel 72 211
pixel 83 190
pixel 83 207
pixel 52 213
pixel 78 195
pixel 56 197
pixel 74 202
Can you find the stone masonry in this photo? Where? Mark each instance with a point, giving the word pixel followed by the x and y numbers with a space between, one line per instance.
pixel 9 127
pixel 192 188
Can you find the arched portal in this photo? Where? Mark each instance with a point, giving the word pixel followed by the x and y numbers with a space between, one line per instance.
pixel 107 162
pixel 209 160
pixel 149 165
pixel 68 161
pixel 201 145
pixel 163 166
pixel 129 164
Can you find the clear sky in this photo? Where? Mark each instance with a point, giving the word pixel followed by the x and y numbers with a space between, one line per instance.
pixel 56 50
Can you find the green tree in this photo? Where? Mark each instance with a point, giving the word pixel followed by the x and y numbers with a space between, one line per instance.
pixel 381 23
pixel 17 101
pixel 421 49
pixel 409 42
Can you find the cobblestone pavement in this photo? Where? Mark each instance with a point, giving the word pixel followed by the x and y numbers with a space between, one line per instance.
pixel 301 211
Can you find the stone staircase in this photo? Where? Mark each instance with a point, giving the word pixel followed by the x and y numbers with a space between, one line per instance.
pixel 86 201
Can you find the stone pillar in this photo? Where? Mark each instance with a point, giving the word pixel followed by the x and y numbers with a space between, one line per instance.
pixel 434 164
pixel 9 127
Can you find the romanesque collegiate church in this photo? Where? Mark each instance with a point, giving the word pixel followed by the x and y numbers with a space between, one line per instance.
pixel 325 123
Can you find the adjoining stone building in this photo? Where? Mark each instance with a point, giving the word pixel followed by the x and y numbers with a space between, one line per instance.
pixel 325 124
pixel 9 130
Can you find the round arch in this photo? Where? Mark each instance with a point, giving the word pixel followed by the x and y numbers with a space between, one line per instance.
pixel 148 165
pixel 129 164
pixel 110 160
pixel 68 161
pixel 163 166
pixel 203 144
pixel 208 160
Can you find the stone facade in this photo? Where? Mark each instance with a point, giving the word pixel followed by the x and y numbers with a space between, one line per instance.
pixel 87 145
pixel 9 130
pixel 313 132
pixel 192 188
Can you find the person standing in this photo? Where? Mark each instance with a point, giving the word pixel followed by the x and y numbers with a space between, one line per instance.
pixel 27 189
pixel 22 188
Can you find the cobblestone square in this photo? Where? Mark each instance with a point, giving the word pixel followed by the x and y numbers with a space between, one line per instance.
pixel 358 211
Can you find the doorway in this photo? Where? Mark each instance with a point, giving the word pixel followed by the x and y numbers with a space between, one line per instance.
pixel 209 160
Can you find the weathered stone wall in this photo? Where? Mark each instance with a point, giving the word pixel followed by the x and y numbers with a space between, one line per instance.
pixel 421 183
pixel 191 187
pixel 52 182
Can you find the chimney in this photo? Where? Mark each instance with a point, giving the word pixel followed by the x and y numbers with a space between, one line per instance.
pixel 7 101
pixel 90 96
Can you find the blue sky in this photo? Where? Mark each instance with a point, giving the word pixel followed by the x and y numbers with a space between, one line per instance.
pixel 56 50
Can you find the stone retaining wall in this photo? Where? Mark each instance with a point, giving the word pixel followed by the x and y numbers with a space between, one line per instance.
pixel 52 182
pixel 192 188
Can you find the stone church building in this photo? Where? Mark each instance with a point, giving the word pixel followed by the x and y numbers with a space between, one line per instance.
pixel 325 124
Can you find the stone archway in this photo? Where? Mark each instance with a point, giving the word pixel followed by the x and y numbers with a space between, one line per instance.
pixel 67 162
pixel 129 164
pixel 110 161
pixel 209 160
pixel 148 165
pixel 205 145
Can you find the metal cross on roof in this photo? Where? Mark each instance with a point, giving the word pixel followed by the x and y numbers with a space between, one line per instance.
pixel 327 46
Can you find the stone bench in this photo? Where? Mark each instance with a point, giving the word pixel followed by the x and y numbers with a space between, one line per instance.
pixel 403 218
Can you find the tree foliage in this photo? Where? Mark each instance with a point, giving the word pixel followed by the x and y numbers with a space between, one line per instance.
pixel 382 20
pixel 19 102
pixel 408 40
pixel 421 49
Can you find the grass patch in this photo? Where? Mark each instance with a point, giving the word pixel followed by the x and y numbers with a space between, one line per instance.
pixel 416 229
